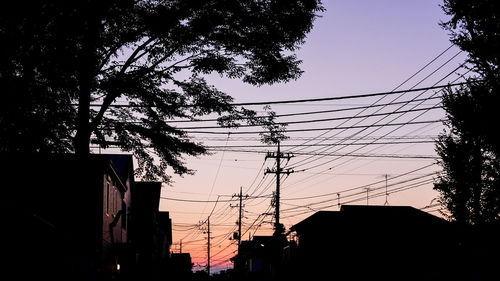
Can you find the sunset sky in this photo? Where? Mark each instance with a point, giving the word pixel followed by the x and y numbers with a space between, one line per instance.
pixel 355 48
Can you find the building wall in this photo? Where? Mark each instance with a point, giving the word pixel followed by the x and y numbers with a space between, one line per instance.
pixel 394 245
pixel 56 215
pixel 113 212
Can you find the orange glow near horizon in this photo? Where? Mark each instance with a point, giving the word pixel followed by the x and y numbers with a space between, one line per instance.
pixel 352 49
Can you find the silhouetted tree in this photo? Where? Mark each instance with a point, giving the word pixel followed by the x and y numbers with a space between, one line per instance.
pixel 470 182
pixel 36 79
pixel 60 57
pixel 273 132
pixel 475 27
pixel 468 177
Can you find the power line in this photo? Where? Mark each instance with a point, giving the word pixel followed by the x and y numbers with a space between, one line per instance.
pixel 304 100
pixel 256 176
pixel 229 245
pixel 278 171
pixel 377 101
pixel 301 138
pixel 315 129
pixel 320 144
pixel 254 181
pixel 264 189
pixel 383 136
pixel 425 66
pixel 305 160
pixel 397 151
pixel 323 129
pixel 362 186
pixel 213 183
pixel 395 190
pixel 307 112
pixel 362 192
pixel 208 201
pixel 375 129
pixel 252 184
pixel 333 154
pixel 320 120
pixel 195 201
pixel 412 120
pixel 348 96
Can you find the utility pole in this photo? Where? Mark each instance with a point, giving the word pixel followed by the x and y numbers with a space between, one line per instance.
pixel 180 250
pixel 208 245
pixel 240 214
pixel 278 171
pixel 208 248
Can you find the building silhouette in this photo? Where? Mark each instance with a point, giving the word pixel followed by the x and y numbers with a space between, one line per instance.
pixel 384 243
pixel 64 218
pixel 150 233
pixel 179 266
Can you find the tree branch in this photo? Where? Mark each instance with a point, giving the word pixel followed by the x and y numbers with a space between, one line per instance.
pixel 114 94
pixel 169 54
pixel 132 58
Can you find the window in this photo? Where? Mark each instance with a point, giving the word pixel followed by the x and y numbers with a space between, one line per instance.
pixel 114 201
pixel 107 191
pixel 124 215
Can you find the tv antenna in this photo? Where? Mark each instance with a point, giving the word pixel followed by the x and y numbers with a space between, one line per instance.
pixel 367 192
pixel 386 193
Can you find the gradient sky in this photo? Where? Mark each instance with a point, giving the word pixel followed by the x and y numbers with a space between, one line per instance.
pixel 356 47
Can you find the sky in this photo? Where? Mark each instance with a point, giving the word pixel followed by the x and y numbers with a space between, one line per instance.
pixel 355 48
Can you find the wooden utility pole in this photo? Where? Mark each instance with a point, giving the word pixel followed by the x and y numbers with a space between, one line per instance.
pixel 208 246
pixel 278 171
pixel 240 214
pixel 239 220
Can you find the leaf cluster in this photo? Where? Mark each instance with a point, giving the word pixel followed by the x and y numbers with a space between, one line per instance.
pixel 470 182
pixel 474 27
pixel 151 55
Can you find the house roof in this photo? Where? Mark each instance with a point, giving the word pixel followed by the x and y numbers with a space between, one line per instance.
pixel 122 164
pixel 400 213
pixel 318 218
pixel 261 239
pixel 147 196
pixel 45 168
pixel 362 214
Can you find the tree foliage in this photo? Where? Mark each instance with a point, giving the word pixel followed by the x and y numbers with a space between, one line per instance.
pixel 474 27
pixel 36 91
pixel 274 132
pixel 67 64
pixel 470 182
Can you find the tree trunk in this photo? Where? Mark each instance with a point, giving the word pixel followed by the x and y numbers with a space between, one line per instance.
pixel 82 138
pixel 88 63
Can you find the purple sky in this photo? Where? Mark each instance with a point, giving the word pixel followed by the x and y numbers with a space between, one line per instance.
pixel 356 47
